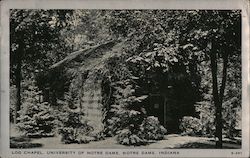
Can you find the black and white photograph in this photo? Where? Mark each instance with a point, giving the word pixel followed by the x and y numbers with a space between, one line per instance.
pixel 120 78
pixel 125 79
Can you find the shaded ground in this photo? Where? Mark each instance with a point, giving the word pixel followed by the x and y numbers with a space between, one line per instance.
pixel 21 142
pixel 207 145
pixel 169 142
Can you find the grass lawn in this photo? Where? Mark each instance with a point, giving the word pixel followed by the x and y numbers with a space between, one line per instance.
pixel 169 142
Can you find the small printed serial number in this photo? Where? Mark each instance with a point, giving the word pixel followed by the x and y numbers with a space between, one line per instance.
pixel 236 153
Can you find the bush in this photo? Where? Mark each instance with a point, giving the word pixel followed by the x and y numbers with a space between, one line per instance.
pixel 123 119
pixel 112 126
pixel 231 118
pixel 75 129
pixel 190 126
pixel 149 130
pixel 205 125
pixel 206 110
pixel 97 136
pixel 127 137
pixel 71 135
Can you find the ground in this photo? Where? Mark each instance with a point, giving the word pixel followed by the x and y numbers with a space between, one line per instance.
pixel 169 141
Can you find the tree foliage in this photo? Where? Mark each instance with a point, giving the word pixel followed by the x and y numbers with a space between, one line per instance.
pixel 192 54
pixel 33 45
pixel 36 117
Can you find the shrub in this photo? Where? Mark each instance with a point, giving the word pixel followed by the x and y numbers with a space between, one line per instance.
pixel 127 137
pixel 97 136
pixel 151 129
pixel 72 135
pixel 112 125
pixel 231 117
pixel 190 126
pixel 206 112
pixel 75 129
pixel 123 119
pixel 205 125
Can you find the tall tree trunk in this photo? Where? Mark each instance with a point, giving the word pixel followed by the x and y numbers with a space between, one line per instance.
pixel 18 75
pixel 216 98
pixel 219 127
pixel 224 77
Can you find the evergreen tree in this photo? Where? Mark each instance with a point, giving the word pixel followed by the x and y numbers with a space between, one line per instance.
pixel 36 119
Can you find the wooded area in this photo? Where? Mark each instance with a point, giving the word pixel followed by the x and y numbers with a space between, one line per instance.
pixel 188 59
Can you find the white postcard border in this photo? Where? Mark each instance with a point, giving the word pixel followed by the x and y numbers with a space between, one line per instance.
pixel 121 4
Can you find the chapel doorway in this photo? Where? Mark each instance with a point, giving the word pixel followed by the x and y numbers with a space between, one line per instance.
pixel 156 108
pixel 159 106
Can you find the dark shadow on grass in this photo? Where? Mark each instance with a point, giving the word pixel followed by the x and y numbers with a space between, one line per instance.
pixel 196 145
pixel 231 141
pixel 23 142
pixel 206 145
